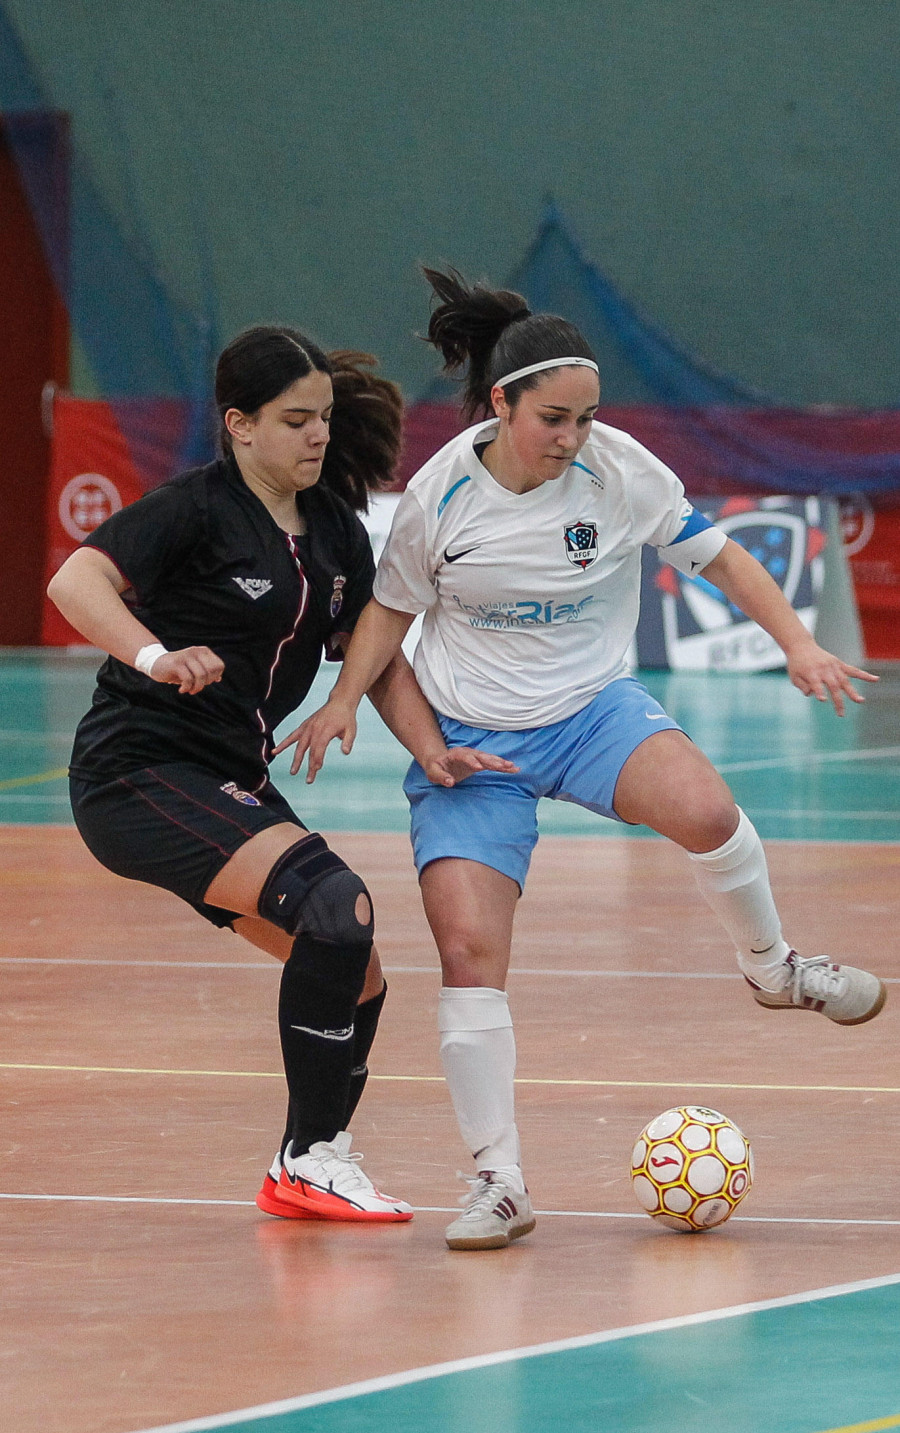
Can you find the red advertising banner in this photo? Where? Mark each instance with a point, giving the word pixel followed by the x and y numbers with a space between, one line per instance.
pixel 103 455
pixel 96 469
pixel 872 543
pixel 685 438
pixel 91 476
pixel 871 526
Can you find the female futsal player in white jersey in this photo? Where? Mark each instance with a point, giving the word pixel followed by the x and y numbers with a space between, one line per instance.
pixel 521 543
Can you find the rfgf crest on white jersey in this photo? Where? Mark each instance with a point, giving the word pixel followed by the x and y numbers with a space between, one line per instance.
pixel 531 599
pixel 581 543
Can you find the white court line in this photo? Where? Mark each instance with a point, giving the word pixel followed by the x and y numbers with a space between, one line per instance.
pixel 788 814
pixel 428 1209
pixel 61 800
pixel 805 758
pixel 487 1360
pixel 811 758
pixel 617 1214
pixel 274 967
pixel 607 830
pixel 126 1199
pixel 607 974
pixel 38 738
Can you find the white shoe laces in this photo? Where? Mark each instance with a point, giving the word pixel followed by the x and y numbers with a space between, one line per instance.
pixel 340 1167
pixel 815 978
pixel 483 1193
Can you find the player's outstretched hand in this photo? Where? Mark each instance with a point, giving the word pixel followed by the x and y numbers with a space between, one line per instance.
pixel 453 766
pixel 313 735
pixel 190 670
pixel 819 674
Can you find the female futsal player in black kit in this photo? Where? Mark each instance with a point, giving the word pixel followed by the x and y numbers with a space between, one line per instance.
pixel 216 596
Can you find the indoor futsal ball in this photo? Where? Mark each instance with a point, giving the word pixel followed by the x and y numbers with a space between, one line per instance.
pixel 691 1167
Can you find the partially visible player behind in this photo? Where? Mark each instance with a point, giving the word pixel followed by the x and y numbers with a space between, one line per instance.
pixel 521 542
pixel 216 596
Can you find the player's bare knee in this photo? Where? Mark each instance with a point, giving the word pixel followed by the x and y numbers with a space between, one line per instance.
pixel 712 823
pixel 466 959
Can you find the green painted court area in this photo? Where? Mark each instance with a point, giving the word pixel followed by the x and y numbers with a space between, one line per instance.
pixel 799 771
pixel 828 1361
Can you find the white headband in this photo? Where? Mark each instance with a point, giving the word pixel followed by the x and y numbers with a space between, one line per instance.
pixel 547 363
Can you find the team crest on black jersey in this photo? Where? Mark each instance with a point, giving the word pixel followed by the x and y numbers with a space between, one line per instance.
pixel 337 595
pixel 581 543
pixel 254 586
pixel 232 789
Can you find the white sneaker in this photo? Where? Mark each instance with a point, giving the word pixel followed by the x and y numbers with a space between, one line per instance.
pixel 846 995
pixel 327 1183
pixel 495 1214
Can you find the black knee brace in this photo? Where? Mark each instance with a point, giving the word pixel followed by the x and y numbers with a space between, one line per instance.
pixel 311 890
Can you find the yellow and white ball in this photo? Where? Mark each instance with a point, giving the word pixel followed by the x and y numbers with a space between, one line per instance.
pixel 690 1168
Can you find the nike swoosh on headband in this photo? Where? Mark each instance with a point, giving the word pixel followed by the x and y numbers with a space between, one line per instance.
pixel 545 363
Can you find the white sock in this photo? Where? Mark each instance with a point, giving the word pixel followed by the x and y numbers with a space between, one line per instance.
pixel 735 881
pixel 478 1051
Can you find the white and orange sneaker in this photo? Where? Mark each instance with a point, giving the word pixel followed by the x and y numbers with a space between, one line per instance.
pixel 327 1183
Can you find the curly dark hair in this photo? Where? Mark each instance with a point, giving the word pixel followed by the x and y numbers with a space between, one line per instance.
pixel 366 428
pixel 367 418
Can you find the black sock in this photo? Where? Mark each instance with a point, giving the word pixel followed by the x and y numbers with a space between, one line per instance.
pixel 365 1025
pixel 316 1023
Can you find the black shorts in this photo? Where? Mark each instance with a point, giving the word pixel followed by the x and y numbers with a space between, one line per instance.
pixel 174 825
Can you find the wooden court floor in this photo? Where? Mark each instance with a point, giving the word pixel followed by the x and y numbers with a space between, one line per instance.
pixel 142 1101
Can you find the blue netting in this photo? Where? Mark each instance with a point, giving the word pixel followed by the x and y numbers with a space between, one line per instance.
pixel 718 412
pixel 137 338
pixel 140 339
pixel 555 268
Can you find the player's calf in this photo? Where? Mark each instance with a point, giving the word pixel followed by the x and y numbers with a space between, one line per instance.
pixel 314 896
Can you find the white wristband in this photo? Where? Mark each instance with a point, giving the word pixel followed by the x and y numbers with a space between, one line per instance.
pixel 148 655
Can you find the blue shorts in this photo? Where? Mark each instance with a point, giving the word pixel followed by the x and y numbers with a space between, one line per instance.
pixel 492 818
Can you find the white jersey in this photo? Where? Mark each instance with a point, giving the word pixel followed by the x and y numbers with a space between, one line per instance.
pixel 531 599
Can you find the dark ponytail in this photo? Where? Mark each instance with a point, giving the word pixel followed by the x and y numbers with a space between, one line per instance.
pixel 492 332
pixel 366 429
pixel 366 423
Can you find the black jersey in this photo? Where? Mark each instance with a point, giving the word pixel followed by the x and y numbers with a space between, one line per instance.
pixel 207 565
